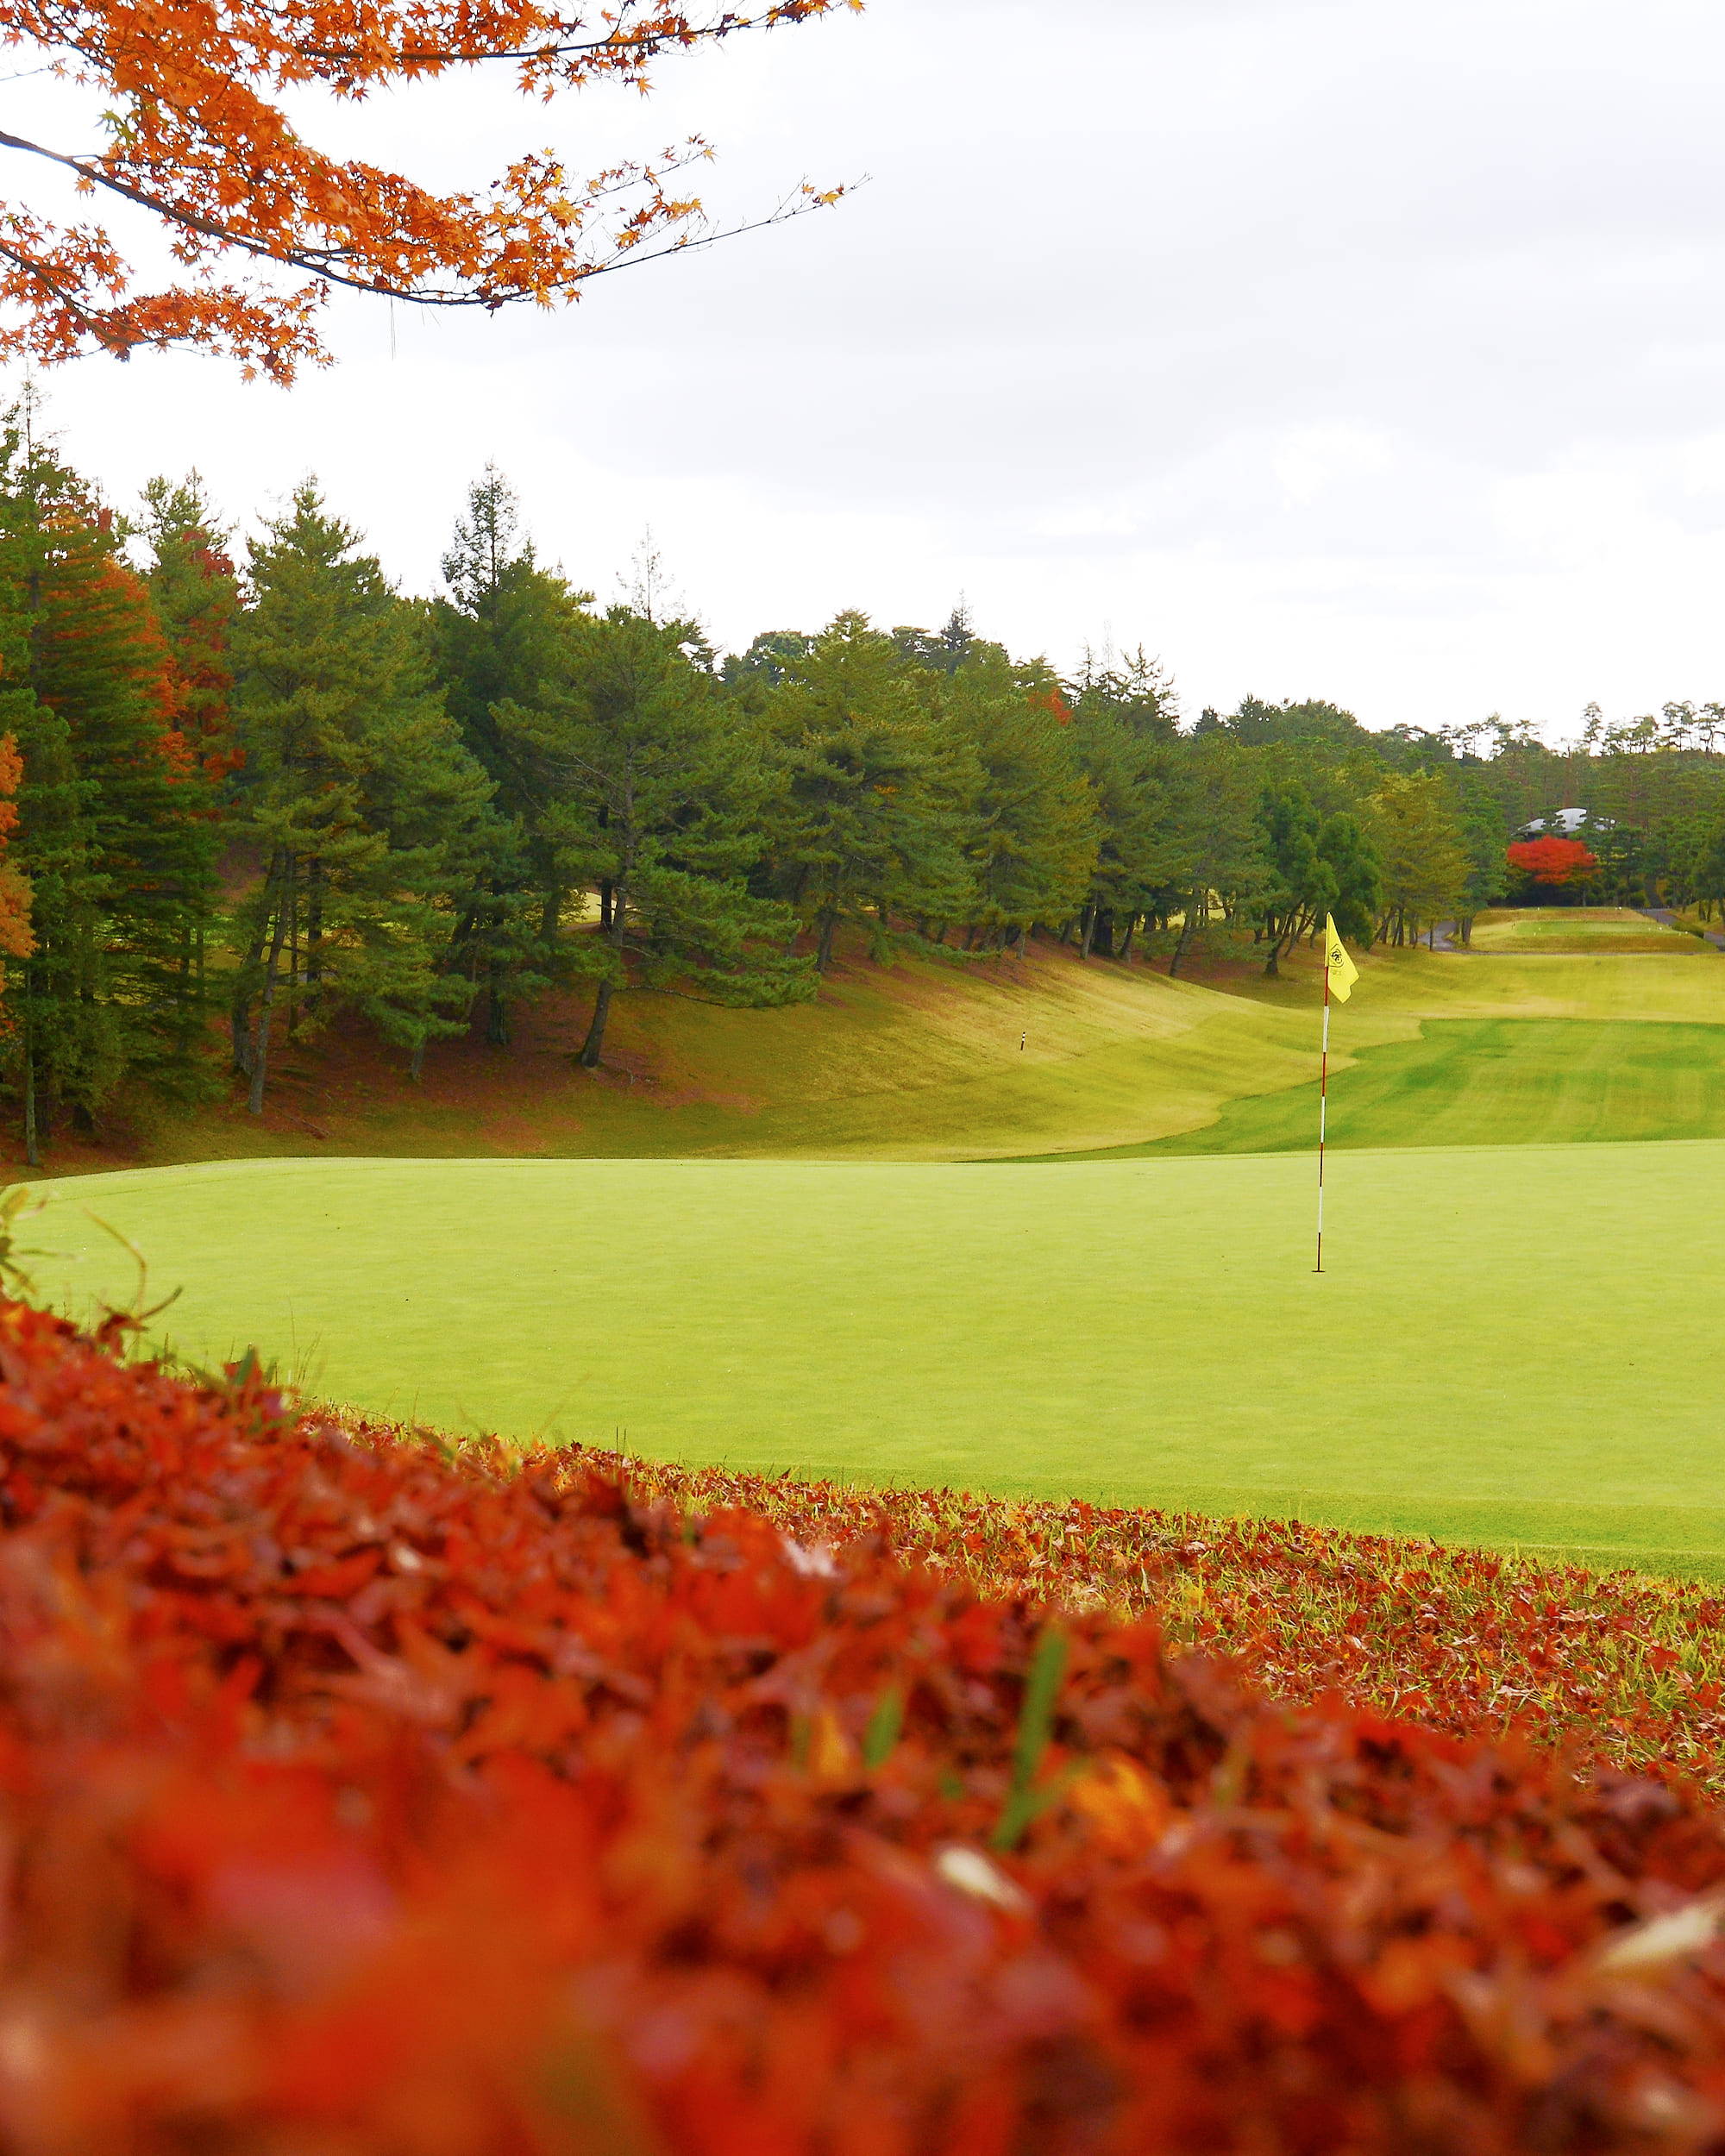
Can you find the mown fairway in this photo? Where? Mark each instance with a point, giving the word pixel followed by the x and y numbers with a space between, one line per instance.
pixel 1599 927
pixel 1496 1081
pixel 1508 1346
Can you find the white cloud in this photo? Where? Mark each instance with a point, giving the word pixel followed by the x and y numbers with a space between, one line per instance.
pixel 1331 349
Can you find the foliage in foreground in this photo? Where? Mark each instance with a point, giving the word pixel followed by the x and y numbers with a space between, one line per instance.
pixel 367 1797
pixel 1619 1667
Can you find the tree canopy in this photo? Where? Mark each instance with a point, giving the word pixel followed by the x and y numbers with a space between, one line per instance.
pixel 237 804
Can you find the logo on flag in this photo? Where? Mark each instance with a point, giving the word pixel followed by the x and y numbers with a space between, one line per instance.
pixel 1340 970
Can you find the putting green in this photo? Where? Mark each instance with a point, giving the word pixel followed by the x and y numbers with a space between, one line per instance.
pixel 1506 1347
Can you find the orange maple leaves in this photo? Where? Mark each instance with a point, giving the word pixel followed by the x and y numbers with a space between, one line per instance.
pixel 199 138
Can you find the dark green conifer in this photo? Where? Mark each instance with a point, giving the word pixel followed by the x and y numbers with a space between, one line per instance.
pixel 361 802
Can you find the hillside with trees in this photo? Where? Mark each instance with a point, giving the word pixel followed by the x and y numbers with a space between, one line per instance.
pixel 263 793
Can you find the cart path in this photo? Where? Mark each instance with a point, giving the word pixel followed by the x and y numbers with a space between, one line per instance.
pixel 1667 919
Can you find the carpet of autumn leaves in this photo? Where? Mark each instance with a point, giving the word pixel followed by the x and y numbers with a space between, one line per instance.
pixel 362 1795
pixel 1622 1667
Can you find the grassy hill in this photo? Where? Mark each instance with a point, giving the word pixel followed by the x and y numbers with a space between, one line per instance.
pixel 937 1058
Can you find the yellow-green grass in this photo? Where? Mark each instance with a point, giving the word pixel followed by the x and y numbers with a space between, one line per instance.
pixel 923 1062
pixel 1489 1082
pixel 1586 928
pixel 1506 1346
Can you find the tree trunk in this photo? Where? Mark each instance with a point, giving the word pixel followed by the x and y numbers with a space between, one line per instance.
pixel 416 1069
pixel 1126 942
pixel 550 914
pixel 314 935
pixel 1181 942
pixel 292 963
pixel 828 923
pixel 31 1151
pixel 239 1014
pixel 255 1100
pixel 1089 931
pixel 1024 939
pixel 1066 934
pixel 595 1040
pixel 793 902
pixel 184 1039
pixel 604 906
pixel 497 1010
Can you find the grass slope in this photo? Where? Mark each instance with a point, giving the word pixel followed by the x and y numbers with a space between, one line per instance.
pixel 1497 1353
pixel 926 1060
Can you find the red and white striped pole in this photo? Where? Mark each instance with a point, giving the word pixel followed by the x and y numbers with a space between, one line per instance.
pixel 1323 1105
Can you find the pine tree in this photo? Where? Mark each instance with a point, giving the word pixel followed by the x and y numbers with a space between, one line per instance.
pixel 1217 853
pixel 870 817
pixel 1425 862
pixel 61 1043
pixel 115 833
pixel 361 801
pixel 1133 871
pixel 500 639
pixel 197 597
pixel 648 780
pixel 1032 835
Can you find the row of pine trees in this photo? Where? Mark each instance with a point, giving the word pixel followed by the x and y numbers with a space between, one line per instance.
pixel 249 798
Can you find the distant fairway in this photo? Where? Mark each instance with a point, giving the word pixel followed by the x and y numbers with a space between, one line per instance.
pixel 1586 928
pixel 1515 1082
pixel 1508 1347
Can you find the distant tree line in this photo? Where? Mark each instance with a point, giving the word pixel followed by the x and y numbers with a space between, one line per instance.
pixel 277 789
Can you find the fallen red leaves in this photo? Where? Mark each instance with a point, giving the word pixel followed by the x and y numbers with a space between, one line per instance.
pixel 361 1799
pixel 1621 1668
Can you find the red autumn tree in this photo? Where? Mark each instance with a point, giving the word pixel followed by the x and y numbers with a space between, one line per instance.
pixel 16 940
pixel 1553 860
pixel 195 97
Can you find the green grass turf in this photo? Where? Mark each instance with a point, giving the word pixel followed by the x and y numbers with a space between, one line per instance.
pixel 1507 1346
pixel 923 1061
pixel 1491 1081
pixel 1559 928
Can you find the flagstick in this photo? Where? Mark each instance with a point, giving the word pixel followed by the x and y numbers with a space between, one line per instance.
pixel 1323 1105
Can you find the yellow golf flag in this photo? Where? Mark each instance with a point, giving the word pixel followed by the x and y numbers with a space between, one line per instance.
pixel 1343 972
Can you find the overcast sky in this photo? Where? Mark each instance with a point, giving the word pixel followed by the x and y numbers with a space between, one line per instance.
pixel 1327 348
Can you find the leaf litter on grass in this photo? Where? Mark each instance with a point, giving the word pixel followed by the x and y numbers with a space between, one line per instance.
pixel 1623 1668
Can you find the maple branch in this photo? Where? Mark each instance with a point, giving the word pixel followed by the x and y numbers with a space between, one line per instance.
pixel 632 46
pixel 38 271
pixel 325 262
pixel 201 142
